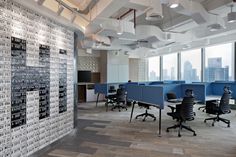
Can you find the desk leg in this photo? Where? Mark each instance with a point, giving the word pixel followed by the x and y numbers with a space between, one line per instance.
pixel 131 115
pixel 97 100
pixel 106 105
pixel 159 123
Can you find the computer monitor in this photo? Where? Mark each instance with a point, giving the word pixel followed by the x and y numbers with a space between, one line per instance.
pixel 84 76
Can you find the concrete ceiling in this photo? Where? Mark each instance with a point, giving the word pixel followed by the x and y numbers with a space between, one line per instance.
pixel 186 24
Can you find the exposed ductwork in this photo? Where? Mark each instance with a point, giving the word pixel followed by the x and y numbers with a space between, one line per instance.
pixel 89 6
pixel 113 25
pixel 152 8
pixel 198 13
pixel 151 36
pixel 155 12
pixel 88 3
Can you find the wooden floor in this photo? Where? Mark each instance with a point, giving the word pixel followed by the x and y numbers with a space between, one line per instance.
pixel 109 134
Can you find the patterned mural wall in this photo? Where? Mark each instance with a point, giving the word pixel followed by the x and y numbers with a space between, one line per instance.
pixel 36 80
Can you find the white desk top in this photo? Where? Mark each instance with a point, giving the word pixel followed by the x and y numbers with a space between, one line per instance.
pixel 213 97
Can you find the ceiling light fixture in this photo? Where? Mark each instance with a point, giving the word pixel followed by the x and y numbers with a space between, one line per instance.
pixel 155 12
pixel 232 15
pixel 173 3
pixel 119 29
pixel 214 27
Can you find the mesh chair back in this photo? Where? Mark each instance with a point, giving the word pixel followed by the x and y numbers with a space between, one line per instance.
pixel 186 110
pixel 111 89
pixel 224 103
pixel 120 95
pixel 171 96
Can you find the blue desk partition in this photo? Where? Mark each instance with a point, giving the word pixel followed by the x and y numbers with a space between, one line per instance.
pixel 153 95
pixel 134 92
pixel 156 83
pixel 199 90
pixel 218 86
pixel 173 88
pixel 208 88
pixel 147 94
pixel 101 88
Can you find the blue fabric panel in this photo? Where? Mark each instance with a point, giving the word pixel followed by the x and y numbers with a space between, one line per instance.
pixel 173 88
pixel 168 81
pixel 218 88
pixel 155 83
pixel 143 83
pixel 199 91
pixel 134 92
pixel 101 88
pixel 153 95
pixel 179 82
pixel 208 88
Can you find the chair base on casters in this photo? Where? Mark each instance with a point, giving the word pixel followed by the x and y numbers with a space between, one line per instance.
pixel 119 107
pixel 202 107
pixel 146 114
pixel 180 126
pixel 218 119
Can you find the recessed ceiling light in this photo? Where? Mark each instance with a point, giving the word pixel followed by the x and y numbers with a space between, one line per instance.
pixel 173 3
pixel 231 17
pixel 119 29
pixel 214 27
pixel 119 33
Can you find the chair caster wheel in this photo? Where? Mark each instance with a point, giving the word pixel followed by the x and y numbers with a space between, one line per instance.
pixel 126 109
pixel 119 110
pixel 179 135
pixel 228 126
pixel 194 134
pixel 167 130
pixel 143 120
pixel 154 119
pixel 204 121
pixel 212 124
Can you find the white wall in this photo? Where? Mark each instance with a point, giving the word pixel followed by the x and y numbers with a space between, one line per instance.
pixel 138 69
pixel 117 67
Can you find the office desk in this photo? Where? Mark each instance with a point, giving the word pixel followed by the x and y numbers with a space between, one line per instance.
pixel 213 97
pixel 103 88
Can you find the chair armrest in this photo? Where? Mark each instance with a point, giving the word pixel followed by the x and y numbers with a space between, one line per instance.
pixel 217 102
pixel 172 108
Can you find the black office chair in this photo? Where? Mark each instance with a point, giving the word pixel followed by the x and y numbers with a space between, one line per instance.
pixel 172 98
pixel 110 99
pixel 120 99
pixel 184 112
pixel 218 108
pixel 145 114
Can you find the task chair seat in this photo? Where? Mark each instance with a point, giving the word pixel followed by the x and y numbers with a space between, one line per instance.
pixel 110 99
pixel 218 108
pixel 184 112
pixel 145 114
pixel 172 98
pixel 120 100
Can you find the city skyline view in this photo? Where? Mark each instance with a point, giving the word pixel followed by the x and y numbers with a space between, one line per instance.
pixel 218 65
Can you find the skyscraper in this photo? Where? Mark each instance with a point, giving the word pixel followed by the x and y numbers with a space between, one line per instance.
pixel 215 71
pixel 189 74
pixel 153 76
